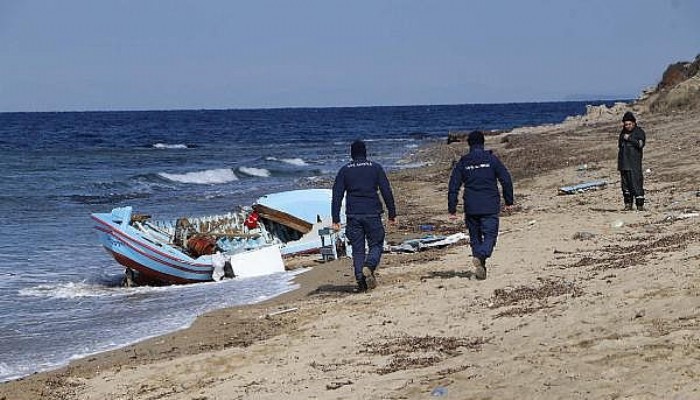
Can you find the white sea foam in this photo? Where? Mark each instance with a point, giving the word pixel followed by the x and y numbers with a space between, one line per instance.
pixel 295 161
pixel 390 140
pixel 64 290
pixel 210 176
pixel 299 162
pixel 409 164
pixel 250 171
pixel 73 290
pixel 314 178
pixel 7 373
pixel 169 146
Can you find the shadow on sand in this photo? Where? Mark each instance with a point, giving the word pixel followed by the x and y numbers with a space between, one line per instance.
pixel 448 274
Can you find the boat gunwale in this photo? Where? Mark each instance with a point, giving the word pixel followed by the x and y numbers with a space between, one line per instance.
pixel 147 246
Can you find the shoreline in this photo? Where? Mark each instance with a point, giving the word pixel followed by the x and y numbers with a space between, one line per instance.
pixel 570 317
pixel 158 347
pixel 79 358
pixel 308 278
pixel 310 261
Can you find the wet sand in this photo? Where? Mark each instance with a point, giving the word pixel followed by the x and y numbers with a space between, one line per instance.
pixel 582 301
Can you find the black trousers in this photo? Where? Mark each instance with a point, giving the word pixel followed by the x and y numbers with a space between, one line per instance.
pixel 632 186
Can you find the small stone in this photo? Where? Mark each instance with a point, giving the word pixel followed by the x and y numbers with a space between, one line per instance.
pixel 652 229
pixel 583 235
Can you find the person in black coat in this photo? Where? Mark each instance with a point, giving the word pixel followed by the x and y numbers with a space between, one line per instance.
pixel 630 145
pixel 479 171
pixel 358 181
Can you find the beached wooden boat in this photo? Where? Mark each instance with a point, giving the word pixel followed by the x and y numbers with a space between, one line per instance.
pixel 245 243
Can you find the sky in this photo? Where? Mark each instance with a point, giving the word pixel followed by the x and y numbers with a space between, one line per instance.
pixel 83 55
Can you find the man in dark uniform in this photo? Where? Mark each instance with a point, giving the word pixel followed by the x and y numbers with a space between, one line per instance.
pixel 630 147
pixel 360 179
pixel 478 171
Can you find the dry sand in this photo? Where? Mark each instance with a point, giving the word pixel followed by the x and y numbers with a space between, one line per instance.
pixel 582 301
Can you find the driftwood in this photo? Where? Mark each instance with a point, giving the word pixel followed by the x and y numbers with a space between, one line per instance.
pixel 280 312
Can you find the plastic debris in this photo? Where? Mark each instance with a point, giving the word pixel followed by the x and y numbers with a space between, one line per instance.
pixel 582 187
pixel 430 241
pixel 617 224
pixel 439 391
pixel 683 216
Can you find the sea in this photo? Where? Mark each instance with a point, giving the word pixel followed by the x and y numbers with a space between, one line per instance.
pixel 60 292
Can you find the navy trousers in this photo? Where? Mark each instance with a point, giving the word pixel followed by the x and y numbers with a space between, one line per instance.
pixel 483 232
pixel 360 229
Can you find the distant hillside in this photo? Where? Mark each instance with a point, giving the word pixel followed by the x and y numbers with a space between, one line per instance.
pixel 678 90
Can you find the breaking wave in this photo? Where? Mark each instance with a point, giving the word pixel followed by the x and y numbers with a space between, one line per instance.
pixel 74 290
pixel 299 162
pixel 389 140
pixel 259 172
pixel 208 177
pixel 170 146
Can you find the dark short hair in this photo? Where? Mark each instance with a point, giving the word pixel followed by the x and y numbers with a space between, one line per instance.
pixel 358 150
pixel 629 117
pixel 475 137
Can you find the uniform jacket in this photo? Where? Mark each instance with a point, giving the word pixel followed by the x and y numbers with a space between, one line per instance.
pixel 361 179
pixel 478 171
pixel 630 151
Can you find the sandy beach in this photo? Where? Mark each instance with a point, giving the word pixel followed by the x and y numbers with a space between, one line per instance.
pixel 582 301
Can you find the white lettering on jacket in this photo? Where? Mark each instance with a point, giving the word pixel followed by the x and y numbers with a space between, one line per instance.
pixel 360 164
pixel 477 166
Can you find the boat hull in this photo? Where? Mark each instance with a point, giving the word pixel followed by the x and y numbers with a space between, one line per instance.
pixel 150 255
pixel 150 261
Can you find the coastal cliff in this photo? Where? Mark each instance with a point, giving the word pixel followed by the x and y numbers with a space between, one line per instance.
pixel 678 90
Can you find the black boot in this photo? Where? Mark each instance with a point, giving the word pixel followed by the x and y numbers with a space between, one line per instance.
pixel 480 268
pixel 361 286
pixel 640 204
pixel 628 202
pixel 370 279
